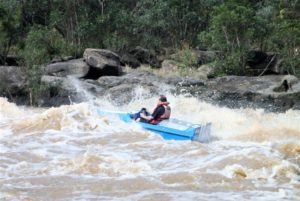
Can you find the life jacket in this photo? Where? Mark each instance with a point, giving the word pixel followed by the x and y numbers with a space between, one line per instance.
pixel 165 115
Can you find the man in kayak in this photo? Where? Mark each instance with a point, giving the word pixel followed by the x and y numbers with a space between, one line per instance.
pixel 161 112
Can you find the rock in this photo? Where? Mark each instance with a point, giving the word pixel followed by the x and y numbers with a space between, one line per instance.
pixel 242 91
pixel 56 59
pixel 61 59
pixel 128 59
pixel 75 67
pixel 207 71
pixel 62 90
pixel 183 81
pixel 104 62
pixel 67 58
pixel 12 80
pixel 288 82
pixel 169 66
pixel 145 57
pixel 61 82
pixel 165 53
pixel 99 58
pixel 204 57
pixel 122 89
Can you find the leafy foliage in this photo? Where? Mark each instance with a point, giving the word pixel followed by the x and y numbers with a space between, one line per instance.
pixel 187 58
pixel 232 31
pixel 9 27
pixel 41 45
pixel 230 27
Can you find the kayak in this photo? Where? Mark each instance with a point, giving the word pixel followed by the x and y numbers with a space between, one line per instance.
pixel 171 129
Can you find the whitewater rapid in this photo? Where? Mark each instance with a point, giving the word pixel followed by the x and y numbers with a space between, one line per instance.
pixel 71 153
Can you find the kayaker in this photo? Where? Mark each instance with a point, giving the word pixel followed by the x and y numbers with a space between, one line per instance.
pixel 161 112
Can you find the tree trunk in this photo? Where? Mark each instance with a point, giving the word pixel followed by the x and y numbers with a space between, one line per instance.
pixel 226 35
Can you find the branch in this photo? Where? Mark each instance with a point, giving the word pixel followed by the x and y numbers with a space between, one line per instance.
pixel 267 66
pixel 226 35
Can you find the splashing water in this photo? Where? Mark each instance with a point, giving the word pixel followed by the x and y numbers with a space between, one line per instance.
pixel 71 153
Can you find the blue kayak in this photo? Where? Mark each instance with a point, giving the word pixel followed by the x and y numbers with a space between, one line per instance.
pixel 171 129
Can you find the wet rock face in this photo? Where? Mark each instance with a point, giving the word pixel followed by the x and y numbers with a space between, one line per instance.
pixel 260 92
pixel 12 80
pixel 120 89
pixel 230 91
pixel 100 74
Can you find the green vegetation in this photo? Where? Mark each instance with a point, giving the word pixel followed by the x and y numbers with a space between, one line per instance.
pixel 43 29
pixel 187 58
pixel 41 45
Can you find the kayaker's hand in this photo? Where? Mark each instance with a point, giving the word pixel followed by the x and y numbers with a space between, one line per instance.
pixel 146 117
pixel 142 114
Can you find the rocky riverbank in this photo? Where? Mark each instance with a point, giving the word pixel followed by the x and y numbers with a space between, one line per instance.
pixel 100 73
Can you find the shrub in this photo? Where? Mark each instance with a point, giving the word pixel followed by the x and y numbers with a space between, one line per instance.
pixel 187 58
pixel 41 45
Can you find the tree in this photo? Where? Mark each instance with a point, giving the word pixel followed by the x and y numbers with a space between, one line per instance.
pixel 41 45
pixel 287 36
pixel 9 25
pixel 232 31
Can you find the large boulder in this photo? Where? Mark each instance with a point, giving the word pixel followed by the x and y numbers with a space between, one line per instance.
pixel 12 80
pixel 104 60
pixel 64 84
pixel 272 92
pixel 122 89
pixel 61 90
pixel 75 67
pixel 145 56
pixel 130 60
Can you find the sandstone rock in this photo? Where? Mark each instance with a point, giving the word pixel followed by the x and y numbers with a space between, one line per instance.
pixel 99 58
pixel 75 67
pixel 106 61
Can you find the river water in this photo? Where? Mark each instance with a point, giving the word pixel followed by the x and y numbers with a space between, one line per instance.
pixel 71 153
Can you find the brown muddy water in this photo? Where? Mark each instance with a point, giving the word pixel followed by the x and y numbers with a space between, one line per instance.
pixel 71 153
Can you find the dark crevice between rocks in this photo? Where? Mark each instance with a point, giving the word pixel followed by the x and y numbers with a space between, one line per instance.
pixel 10 60
pixel 96 73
